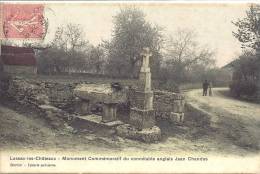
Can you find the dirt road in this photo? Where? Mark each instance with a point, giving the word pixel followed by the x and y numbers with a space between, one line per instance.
pixel 238 121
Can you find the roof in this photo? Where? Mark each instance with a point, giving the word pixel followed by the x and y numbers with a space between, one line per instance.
pixel 236 61
pixel 231 64
pixel 18 56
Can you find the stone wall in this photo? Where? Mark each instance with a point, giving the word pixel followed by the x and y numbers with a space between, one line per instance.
pixel 167 105
pixel 42 96
pixel 168 102
pixel 53 100
pixel 20 69
pixel 36 92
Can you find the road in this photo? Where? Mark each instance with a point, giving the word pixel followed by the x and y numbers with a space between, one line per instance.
pixel 238 121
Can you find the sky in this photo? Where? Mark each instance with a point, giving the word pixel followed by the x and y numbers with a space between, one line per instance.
pixel 211 21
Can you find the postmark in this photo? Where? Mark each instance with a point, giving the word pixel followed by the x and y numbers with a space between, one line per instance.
pixel 23 21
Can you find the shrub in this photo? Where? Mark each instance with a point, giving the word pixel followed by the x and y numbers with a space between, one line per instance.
pixel 246 89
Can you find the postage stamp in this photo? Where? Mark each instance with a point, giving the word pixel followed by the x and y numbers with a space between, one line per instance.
pixel 23 21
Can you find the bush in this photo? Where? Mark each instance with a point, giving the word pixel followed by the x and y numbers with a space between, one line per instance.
pixel 246 89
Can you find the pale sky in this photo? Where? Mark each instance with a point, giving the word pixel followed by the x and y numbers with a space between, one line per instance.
pixel 212 22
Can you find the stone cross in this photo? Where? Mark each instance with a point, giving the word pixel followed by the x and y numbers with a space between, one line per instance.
pixel 146 55
pixel 145 73
pixel 142 113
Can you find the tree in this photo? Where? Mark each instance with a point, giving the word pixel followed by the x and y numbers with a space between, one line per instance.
pixel 96 59
pixel 131 34
pixel 248 28
pixel 67 52
pixel 183 51
pixel 70 39
pixel 246 68
pixel 244 75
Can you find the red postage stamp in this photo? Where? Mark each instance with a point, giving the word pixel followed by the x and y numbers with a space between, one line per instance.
pixel 23 21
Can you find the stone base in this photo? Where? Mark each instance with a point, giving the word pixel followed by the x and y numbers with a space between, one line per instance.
pixel 148 135
pixel 109 112
pixel 82 107
pixel 142 119
pixel 95 124
pixel 143 100
pixel 176 117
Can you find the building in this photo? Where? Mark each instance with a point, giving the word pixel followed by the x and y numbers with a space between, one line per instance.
pixel 18 60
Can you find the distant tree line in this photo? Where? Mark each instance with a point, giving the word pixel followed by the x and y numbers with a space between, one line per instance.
pixel 176 59
pixel 70 53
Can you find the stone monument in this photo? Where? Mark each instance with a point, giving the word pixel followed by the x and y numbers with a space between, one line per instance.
pixel 142 112
pixel 142 116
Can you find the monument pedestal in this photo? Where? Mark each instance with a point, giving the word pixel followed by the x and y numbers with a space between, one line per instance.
pixel 143 100
pixel 142 114
pixel 142 119
pixel 147 135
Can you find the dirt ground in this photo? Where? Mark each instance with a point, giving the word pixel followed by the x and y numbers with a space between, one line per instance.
pixel 22 128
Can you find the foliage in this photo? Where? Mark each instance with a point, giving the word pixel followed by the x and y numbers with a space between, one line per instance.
pixel 245 76
pixel 131 34
pixel 70 52
pixel 246 67
pixel 248 28
pixel 243 88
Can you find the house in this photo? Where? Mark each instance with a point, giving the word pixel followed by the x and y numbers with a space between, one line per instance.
pixel 18 60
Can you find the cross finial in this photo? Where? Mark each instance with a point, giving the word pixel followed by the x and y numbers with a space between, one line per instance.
pixel 146 52
pixel 146 55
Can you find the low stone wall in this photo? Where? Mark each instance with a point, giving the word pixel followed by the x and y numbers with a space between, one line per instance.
pixel 169 105
pixel 47 98
pixel 36 92
pixel 18 69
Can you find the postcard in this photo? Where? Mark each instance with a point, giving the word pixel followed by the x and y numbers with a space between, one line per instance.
pixel 129 87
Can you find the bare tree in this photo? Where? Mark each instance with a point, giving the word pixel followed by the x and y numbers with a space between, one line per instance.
pixel 183 51
pixel 70 38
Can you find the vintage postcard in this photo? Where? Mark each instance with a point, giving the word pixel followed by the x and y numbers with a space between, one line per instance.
pixel 129 87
